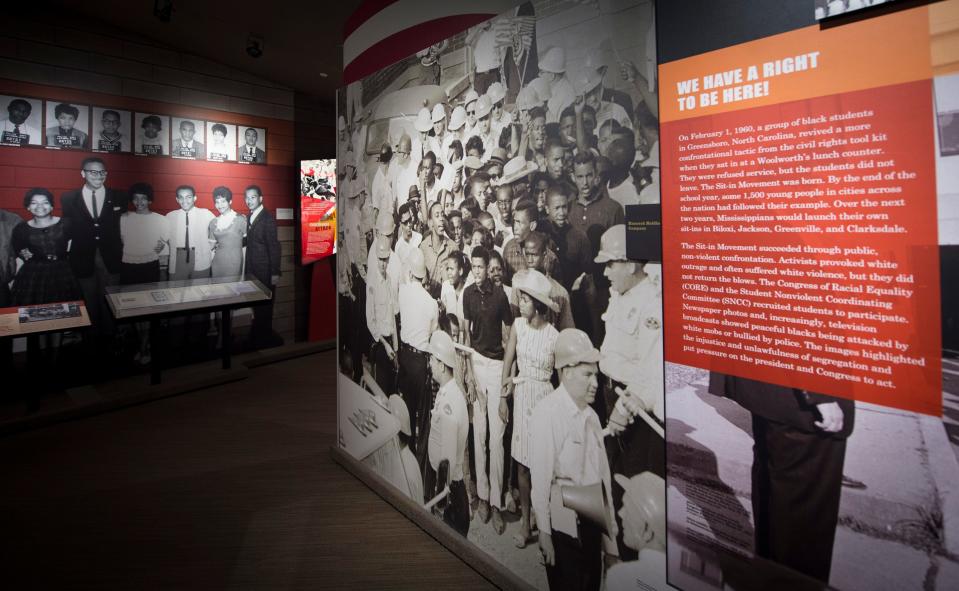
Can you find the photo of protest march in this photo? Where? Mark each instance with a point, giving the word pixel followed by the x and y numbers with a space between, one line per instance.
pixel 501 357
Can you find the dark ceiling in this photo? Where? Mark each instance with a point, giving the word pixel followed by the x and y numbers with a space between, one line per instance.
pixel 301 39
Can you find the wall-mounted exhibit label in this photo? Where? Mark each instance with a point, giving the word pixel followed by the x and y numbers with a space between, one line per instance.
pixel 800 236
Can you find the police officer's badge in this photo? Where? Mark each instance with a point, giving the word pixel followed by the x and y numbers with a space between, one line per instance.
pixel 652 323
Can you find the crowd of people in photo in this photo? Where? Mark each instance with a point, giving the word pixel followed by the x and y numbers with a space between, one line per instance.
pixel 485 288
pixel 106 237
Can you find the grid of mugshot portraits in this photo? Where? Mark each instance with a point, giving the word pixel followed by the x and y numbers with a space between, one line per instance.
pixel 482 264
pixel 71 126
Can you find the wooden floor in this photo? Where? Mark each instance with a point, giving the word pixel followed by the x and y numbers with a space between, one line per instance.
pixel 226 488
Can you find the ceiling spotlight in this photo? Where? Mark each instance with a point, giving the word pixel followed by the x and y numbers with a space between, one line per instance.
pixel 254 46
pixel 323 74
pixel 163 9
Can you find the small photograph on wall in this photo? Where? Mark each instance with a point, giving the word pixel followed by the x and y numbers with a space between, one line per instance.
pixel 153 134
pixel 251 145
pixel 188 138
pixel 947 114
pixel 22 122
pixel 222 141
pixel 68 126
pixel 827 8
pixel 112 130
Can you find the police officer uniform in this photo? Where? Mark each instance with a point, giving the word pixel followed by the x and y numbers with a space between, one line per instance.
pixel 419 318
pixel 449 428
pixel 632 358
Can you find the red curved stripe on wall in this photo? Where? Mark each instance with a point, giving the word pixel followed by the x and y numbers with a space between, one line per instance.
pixel 364 13
pixel 407 42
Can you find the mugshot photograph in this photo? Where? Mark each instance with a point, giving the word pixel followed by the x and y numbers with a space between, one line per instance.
pixel 251 144
pixel 188 139
pixel 21 124
pixel 67 126
pixel 153 134
pixel 112 129
pixel 221 142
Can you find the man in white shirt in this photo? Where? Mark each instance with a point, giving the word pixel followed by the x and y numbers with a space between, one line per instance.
pixel 419 318
pixel 569 451
pixel 406 242
pixel 190 251
pixel 381 316
pixel 486 56
pixel 552 70
pixel 402 173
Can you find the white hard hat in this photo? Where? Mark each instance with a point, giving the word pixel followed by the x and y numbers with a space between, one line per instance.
pixel 612 245
pixel 574 347
pixel 457 119
pixel 496 92
pixel 553 61
pixel 423 121
pixel 483 106
pixel 439 113
pixel 646 493
pixel 441 345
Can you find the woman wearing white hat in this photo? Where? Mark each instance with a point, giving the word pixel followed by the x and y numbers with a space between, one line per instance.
pixel 531 345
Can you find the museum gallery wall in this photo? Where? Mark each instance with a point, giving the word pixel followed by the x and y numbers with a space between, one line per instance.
pixel 796 431
pixel 64 145
pixel 452 265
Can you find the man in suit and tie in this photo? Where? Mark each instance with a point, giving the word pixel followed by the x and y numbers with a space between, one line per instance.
pixel 799 446
pixel 262 261
pixel 96 250
pixel 248 151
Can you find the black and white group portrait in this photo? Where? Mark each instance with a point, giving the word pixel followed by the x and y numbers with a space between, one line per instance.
pixel 68 126
pixel 74 246
pixel 485 294
pixel 221 141
pixel 112 130
pixel 251 145
pixel 188 139
pixel 22 121
pixel 152 134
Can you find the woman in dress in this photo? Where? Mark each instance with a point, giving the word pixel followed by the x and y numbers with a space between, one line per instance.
pixel 42 244
pixel 226 236
pixel 527 370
